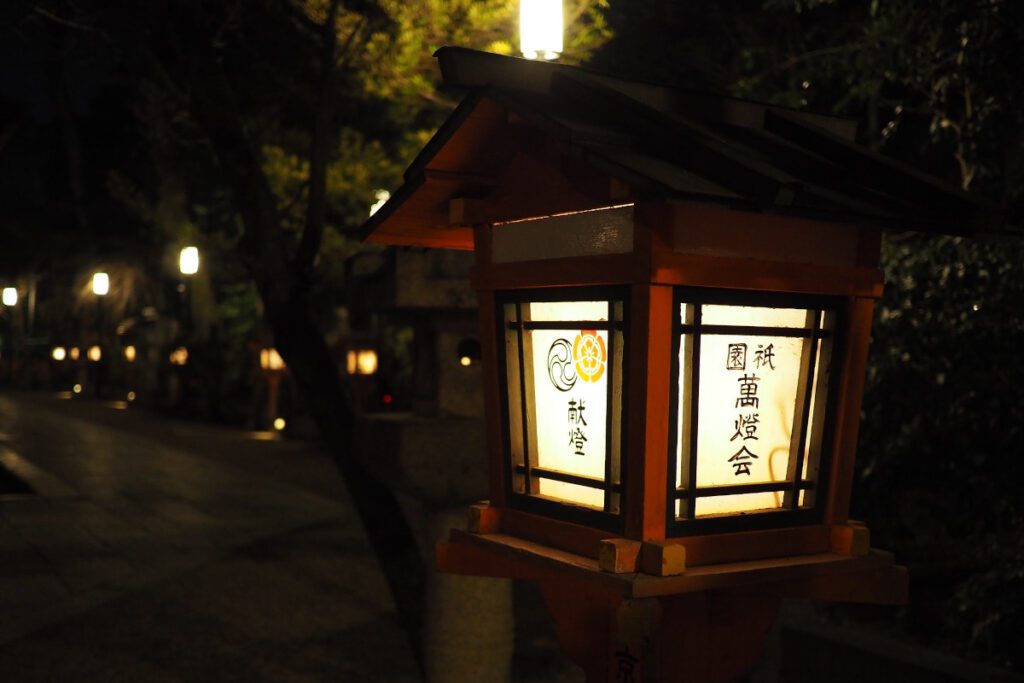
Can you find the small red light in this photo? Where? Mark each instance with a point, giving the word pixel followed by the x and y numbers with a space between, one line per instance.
pixel 388 398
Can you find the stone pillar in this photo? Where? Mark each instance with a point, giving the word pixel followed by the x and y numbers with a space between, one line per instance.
pixel 437 467
pixel 469 629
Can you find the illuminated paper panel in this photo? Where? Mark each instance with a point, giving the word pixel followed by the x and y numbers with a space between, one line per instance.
pixel 571 409
pixel 752 387
pixel 563 390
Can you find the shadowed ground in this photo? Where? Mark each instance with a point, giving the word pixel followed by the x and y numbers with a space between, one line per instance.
pixel 165 550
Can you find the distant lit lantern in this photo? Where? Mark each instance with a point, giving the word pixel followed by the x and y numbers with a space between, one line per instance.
pixel 10 296
pixel 100 284
pixel 468 352
pixel 77 388
pixel 270 359
pixel 188 261
pixel 74 353
pixel 361 362
pixel 540 28
pixel 179 356
pixel 59 353
pixel 129 353
pixel 130 396
pixel 279 424
pixel 672 379
pixel 95 354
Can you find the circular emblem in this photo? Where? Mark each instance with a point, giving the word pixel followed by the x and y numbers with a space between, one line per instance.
pixel 560 368
pixel 590 354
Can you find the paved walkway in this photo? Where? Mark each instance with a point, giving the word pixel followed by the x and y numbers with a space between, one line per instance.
pixel 169 551
pixel 164 551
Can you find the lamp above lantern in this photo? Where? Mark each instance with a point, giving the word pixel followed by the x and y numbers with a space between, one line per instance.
pixel 540 29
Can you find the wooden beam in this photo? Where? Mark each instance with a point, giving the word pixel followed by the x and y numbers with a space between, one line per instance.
pixel 847 423
pixel 699 270
pixel 553 533
pixel 497 450
pixel 588 270
pixel 460 177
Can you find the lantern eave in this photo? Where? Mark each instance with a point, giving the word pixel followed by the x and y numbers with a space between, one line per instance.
pixel 653 143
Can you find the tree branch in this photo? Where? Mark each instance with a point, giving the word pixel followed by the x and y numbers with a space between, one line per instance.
pixel 66 23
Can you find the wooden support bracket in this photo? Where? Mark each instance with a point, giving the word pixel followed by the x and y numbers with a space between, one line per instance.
pixel 662 559
pixel 852 538
pixel 483 519
pixel 619 555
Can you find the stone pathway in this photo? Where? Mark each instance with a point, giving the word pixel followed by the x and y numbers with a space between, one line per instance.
pixel 159 551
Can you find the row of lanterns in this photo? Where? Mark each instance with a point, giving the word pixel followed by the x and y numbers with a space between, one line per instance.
pixel 188 264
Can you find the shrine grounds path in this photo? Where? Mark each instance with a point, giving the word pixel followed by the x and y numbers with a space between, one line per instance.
pixel 162 550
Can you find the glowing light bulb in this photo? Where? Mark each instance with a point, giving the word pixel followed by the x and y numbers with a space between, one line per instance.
pixel 540 28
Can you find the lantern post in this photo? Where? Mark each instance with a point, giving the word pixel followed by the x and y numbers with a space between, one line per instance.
pixel 10 300
pixel 188 266
pixel 676 293
pixel 100 288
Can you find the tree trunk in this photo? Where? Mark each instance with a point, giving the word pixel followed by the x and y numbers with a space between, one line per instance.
pixel 284 292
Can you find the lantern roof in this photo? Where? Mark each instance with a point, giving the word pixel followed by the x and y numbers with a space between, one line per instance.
pixel 532 139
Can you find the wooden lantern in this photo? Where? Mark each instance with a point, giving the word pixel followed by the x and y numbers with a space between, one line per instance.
pixel 676 295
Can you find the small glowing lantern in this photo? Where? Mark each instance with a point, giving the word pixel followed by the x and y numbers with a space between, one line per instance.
pixel 59 353
pixel 270 359
pixel 361 362
pixel 130 353
pixel 188 261
pixel 74 353
pixel 468 352
pixel 10 296
pixel 540 28
pixel 95 354
pixel 673 380
pixel 179 356
pixel 100 284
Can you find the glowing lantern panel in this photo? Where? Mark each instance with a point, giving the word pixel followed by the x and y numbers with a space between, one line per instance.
pixel 270 359
pixel 752 387
pixel 179 356
pixel 564 371
pixel 361 362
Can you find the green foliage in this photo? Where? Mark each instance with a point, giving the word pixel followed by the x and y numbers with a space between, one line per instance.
pixel 398 64
pixel 239 313
pixel 939 463
pixel 936 85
